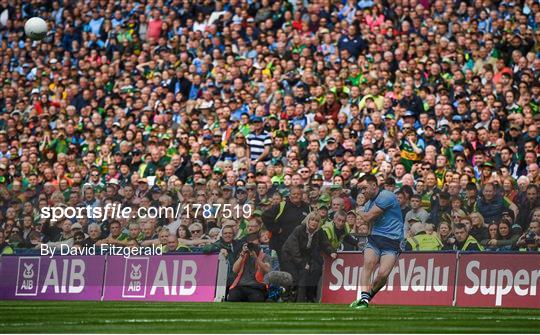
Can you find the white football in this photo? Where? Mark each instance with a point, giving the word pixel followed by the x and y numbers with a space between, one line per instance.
pixel 35 28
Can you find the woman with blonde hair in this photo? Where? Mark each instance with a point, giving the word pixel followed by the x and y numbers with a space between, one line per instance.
pixel 477 220
pixel 302 257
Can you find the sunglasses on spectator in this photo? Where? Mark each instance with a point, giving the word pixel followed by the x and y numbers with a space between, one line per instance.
pixel 195 231
pixel 460 160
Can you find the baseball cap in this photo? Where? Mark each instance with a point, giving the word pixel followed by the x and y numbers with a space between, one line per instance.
pixel 256 118
pixel 515 126
pixel 325 198
pixel 409 113
pixel 442 130
pixel 487 164
pixel 322 205
pixel 113 181
pixel 76 225
pixel 458 148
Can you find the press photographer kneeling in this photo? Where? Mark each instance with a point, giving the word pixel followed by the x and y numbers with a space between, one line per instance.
pixel 250 267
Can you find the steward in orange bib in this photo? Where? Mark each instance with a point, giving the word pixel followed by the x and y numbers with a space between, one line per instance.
pixel 250 267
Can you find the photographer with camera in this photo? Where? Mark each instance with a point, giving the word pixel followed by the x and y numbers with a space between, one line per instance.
pixel 530 240
pixel 250 267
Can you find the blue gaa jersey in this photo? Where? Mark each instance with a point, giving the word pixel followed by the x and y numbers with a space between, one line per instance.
pixel 390 223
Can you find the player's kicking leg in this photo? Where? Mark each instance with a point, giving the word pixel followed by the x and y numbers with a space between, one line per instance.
pixel 371 259
pixel 380 251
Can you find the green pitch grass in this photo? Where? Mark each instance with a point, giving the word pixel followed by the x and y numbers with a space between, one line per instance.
pixel 145 317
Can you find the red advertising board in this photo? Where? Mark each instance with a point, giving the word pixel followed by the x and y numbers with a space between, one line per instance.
pixel 491 280
pixel 417 279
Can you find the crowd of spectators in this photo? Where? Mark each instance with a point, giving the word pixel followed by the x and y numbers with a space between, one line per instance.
pixel 282 105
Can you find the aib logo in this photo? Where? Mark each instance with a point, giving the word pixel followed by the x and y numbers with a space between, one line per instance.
pixel 28 271
pixel 135 272
pixel 27 276
pixel 135 278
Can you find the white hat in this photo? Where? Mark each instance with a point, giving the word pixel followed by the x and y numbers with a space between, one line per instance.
pixel 113 181
pixel 206 105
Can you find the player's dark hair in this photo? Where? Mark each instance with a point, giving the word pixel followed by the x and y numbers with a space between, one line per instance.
pixel 369 178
